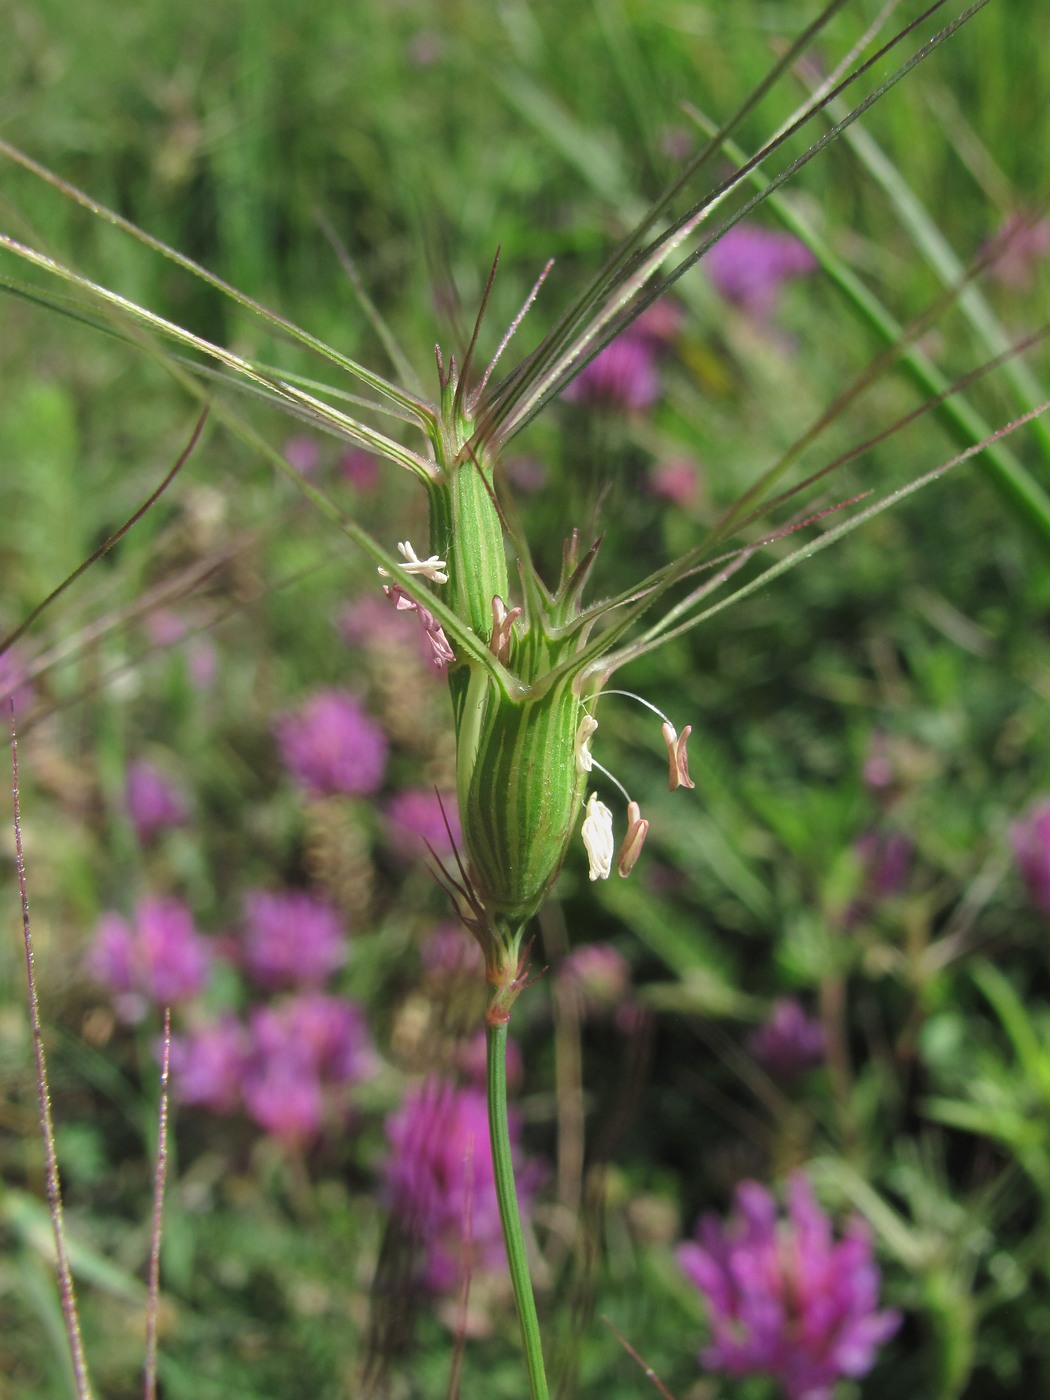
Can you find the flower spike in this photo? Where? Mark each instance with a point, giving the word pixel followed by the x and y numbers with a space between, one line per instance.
pixel 637 830
pixel 677 756
pixel 597 836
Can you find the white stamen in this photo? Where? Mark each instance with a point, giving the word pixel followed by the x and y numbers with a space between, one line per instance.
pixel 584 761
pixel 432 568
pixel 597 833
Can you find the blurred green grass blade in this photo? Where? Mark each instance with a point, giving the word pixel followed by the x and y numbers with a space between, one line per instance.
pixel 277 323
pixel 1015 483
pixel 30 1221
pixel 1033 1057
pixel 942 258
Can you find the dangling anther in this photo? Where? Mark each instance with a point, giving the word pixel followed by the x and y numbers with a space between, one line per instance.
pixel 677 756
pixel 637 829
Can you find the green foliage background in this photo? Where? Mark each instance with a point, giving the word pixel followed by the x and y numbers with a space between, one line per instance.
pixel 425 135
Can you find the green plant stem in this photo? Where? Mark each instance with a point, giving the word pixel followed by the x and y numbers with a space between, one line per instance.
pixel 510 1219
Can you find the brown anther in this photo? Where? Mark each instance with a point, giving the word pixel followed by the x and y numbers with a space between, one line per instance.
pixel 677 756
pixel 503 620
pixel 637 829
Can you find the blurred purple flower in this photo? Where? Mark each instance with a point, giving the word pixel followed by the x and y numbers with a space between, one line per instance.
pixel 159 957
pixel 676 481
pixel 784 1298
pixel 1021 243
pixel 439 1181
pixel 622 376
pixel 885 861
pixel 600 976
pixel 13 684
pixel 208 1064
pixel 879 771
pixel 360 469
pixel 153 801
pixel 417 818
pixel 301 1050
pixel 330 745
pixel 291 938
pixel 789 1042
pixel 450 951
pixel 303 454
pixel 749 264
pixel 1030 838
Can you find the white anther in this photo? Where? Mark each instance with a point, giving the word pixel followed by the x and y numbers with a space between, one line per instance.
pixel 597 836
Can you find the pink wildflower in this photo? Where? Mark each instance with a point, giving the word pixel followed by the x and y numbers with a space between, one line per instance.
pixel 1017 249
pixel 153 801
pixel 302 454
pixel 600 976
pixel 749 264
pixel 440 1184
pixel 789 1042
pixel 208 1064
pixel 13 685
pixel 677 481
pixel 330 745
pixel 302 1052
pixel 622 376
pixel 359 469
pixel 784 1298
pixel 291 938
pixel 158 958
pixel 420 817
pixel 1030 838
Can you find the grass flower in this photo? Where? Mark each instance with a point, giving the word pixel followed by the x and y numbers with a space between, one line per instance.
pixel 331 746
pixel 784 1297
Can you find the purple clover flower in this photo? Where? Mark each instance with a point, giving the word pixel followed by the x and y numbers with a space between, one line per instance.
pixel 749 264
pixel 291 938
pixel 676 481
pixel 1030 838
pixel 1017 249
pixel 440 1184
pixel 784 1297
pixel 622 376
pixel 360 469
pixel 885 859
pixel 303 1052
pixel 208 1064
pixel 158 958
pixel 330 745
pixel 599 975
pixel 417 819
pixel 152 800
pixel 789 1042
pixel 303 454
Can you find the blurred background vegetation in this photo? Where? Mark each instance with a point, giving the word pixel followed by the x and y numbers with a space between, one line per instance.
pixel 895 688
